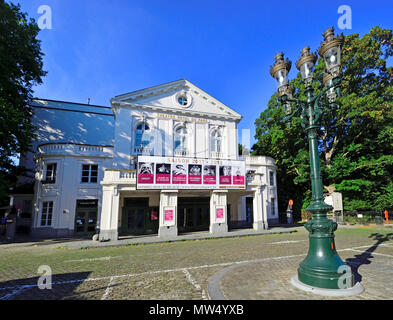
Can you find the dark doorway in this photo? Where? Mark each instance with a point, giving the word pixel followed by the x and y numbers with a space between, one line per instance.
pixel 229 222
pixel 86 217
pixel 249 212
pixel 193 214
pixel 138 218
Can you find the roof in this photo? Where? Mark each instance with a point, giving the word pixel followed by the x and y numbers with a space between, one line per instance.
pixel 60 121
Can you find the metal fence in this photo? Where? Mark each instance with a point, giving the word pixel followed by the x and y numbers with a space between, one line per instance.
pixel 377 217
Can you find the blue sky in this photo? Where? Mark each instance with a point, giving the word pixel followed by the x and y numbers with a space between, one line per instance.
pixel 101 48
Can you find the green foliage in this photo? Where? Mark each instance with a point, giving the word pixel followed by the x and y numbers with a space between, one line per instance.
pixel 20 69
pixel 356 139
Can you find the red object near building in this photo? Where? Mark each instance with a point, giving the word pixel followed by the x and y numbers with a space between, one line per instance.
pixel 386 216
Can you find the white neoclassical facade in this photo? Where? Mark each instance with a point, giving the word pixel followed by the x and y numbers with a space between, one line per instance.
pixel 162 160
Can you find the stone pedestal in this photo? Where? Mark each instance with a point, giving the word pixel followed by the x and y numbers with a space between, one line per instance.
pixel 218 200
pixel 260 220
pixel 109 214
pixel 168 199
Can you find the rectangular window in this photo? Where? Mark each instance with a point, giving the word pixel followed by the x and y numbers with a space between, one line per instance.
pixel 271 178
pixel 273 202
pixel 51 173
pixel 46 213
pixel 89 173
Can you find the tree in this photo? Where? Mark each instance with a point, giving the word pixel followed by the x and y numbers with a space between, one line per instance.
pixel 20 69
pixel 356 139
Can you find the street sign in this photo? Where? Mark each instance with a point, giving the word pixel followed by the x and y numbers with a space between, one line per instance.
pixel 337 201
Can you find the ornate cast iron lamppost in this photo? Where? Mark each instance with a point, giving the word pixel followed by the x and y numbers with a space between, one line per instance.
pixel 322 268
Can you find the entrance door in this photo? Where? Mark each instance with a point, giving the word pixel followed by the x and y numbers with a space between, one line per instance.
pixel 138 218
pixel 134 220
pixel 193 214
pixel 85 217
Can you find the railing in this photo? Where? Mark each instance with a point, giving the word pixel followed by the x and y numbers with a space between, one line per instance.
pixel 143 151
pixel 71 149
pixel 216 155
pixel 51 147
pixel 128 174
pixel 258 160
pixel 119 176
pixel 91 148
pixel 181 153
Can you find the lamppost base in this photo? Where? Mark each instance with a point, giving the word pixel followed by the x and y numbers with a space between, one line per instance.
pixel 355 290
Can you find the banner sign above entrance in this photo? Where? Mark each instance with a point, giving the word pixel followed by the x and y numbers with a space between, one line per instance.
pixel 190 173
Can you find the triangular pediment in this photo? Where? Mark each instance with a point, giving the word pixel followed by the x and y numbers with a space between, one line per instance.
pixel 179 96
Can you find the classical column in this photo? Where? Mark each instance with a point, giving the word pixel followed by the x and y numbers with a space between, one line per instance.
pixel 109 213
pixel 168 214
pixel 258 216
pixel 218 211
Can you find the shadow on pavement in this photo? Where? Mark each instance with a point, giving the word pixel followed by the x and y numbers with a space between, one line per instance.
pixel 364 258
pixel 63 287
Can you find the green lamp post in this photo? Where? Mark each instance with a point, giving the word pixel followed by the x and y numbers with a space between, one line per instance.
pixel 322 268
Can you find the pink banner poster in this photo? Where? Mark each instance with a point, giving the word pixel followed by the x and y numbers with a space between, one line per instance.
pixel 168 216
pixel 219 213
pixel 238 176
pixel 163 173
pixel 179 174
pixel 145 173
pixel 238 180
pixel 154 215
pixel 225 174
pixel 194 174
pixel 209 174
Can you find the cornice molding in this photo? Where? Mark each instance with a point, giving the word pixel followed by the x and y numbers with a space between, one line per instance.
pixel 186 112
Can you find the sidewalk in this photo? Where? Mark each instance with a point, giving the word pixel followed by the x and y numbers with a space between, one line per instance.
pixel 180 237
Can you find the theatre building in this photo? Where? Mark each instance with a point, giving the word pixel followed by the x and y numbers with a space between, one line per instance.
pixel 160 161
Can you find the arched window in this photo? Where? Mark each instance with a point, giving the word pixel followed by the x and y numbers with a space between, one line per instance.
pixel 142 135
pixel 181 140
pixel 215 142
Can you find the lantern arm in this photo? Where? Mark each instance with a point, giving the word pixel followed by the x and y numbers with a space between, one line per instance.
pixel 320 102
pixel 335 85
pixel 298 108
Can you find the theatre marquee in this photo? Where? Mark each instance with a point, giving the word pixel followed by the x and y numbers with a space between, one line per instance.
pixel 189 173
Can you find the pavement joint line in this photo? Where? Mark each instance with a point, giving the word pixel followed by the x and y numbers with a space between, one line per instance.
pixel 194 283
pixel 93 259
pixel 371 252
pixel 287 241
pixel 191 279
pixel 108 289
pixel 22 287
pixel 386 245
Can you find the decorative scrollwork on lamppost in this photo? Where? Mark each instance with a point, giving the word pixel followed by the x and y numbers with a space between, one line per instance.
pixel 321 268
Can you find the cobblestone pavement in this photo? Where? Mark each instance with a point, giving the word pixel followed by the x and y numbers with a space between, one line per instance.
pixel 182 270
